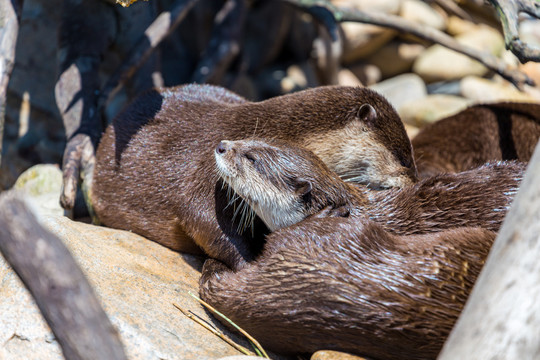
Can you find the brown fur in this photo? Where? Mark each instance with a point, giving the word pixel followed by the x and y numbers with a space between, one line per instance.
pixel 478 197
pixel 388 281
pixel 332 284
pixel 155 174
pixel 479 134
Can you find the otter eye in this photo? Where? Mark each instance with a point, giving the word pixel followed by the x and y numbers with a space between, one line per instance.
pixel 250 158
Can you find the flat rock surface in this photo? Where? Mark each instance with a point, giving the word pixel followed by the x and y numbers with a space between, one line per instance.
pixel 136 280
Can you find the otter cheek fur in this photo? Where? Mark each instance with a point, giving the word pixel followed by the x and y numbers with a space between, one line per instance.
pixel 235 163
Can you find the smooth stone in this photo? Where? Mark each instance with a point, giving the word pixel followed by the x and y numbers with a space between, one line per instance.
pixel 395 57
pixel 445 87
pixel 347 78
pixel 532 69
pixel 529 32
pixel 241 357
pixel 421 13
pixel 484 90
pixel 43 183
pixel 438 63
pixel 432 108
pixel 385 6
pixel 401 89
pixel 456 26
pixel 334 355
pixel 361 40
pixel 411 130
pixel 368 74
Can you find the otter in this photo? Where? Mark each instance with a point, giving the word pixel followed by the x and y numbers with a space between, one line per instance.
pixel 476 135
pixel 384 276
pixel 284 184
pixel 329 284
pixel 154 174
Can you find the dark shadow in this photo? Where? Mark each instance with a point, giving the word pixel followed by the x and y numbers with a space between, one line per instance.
pixel 506 140
pixel 136 115
pixel 248 243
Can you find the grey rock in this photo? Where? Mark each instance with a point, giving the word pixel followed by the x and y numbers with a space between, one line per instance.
pixel 401 89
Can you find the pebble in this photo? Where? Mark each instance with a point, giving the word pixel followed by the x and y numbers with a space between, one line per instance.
pixel 347 78
pixel 421 13
pixel 395 58
pixel 401 89
pixel 334 355
pixel 439 63
pixel 484 90
pixel 431 108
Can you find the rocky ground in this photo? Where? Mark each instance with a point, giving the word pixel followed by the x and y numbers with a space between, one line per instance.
pixel 137 280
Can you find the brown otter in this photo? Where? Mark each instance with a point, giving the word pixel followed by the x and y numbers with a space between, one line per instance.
pixel 155 174
pixel 387 282
pixel 329 284
pixel 476 135
pixel 284 184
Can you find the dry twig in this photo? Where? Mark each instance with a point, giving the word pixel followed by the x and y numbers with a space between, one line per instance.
pixel 214 331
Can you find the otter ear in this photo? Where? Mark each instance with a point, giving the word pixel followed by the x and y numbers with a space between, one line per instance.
pixel 367 113
pixel 303 187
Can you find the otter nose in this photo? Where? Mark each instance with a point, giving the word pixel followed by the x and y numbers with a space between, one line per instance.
pixel 223 147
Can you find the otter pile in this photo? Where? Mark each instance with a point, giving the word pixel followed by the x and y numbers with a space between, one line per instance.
pixel 383 275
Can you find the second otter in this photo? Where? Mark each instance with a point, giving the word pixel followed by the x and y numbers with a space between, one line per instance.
pixel 387 282
pixel 155 174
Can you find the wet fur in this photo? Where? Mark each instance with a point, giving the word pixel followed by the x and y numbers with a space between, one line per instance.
pixel 386 278
pixel 330 284
pixel 155 174
pixel 479 134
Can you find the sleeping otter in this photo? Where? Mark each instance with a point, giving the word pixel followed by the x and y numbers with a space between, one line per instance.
pixel 476 135
pixel 384 276
pixel 155 175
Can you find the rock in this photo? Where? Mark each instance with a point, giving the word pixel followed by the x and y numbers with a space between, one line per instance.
pixel 361 40
pixel 532 69
pixel 385 6
pixel 484 90
pixel 395 57
pixel 43 183
pixel 401 89
pixel 431 108
pixel 368 74
pixel 136 280
pixel 421 13
pixel 456 26
pixel 241 357
pixel 439 63
pixel 529 32
pixel 334 355
pixel 347 78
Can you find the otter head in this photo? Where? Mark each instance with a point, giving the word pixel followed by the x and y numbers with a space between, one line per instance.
pixel 281 182
pixel 371 147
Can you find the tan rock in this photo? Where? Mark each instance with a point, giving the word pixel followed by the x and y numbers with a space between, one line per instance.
pixel 431 108
pixel 361 40
pixel 484 90
pixel 401 89
pixel 439 63
pixel 419 12
pixel 385 6
pixel 411 130
pixel 532 69
pixel 347 78
pixel 456 26
pixel 368 74
pixel 334 355
pixel 395 57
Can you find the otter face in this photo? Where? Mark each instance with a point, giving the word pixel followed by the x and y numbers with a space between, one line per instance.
pixel 368 150
pixel 265 178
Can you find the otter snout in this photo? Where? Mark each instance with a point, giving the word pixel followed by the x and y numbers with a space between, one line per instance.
pixel 223 147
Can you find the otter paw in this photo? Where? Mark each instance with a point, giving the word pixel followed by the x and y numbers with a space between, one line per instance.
pixel 212 268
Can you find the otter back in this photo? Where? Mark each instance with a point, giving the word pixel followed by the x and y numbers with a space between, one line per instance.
pixel 479 134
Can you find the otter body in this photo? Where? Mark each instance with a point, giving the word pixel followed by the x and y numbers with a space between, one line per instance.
pixel 476 135
pixel 155 174
pixel 330 284
pixel 383 275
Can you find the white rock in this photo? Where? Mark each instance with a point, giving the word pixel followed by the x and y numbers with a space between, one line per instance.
pixel 484 90
pixel 401 89
pixel 431 108
pixel 421 13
